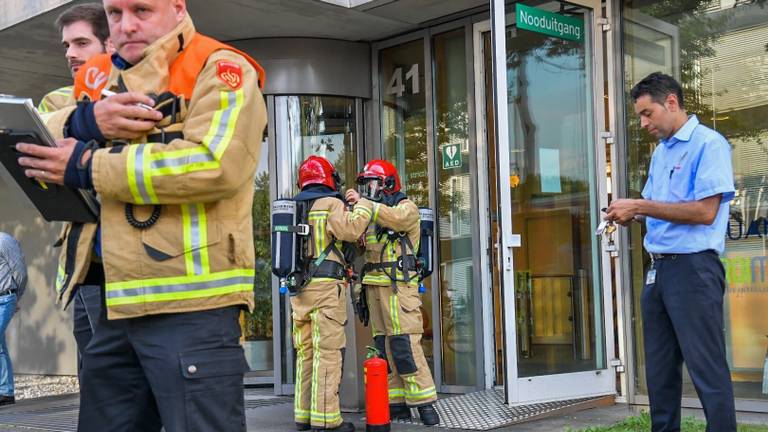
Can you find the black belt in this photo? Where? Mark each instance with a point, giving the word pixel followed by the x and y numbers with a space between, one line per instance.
pixel 330 269
pixel 409 261
pixel 660 256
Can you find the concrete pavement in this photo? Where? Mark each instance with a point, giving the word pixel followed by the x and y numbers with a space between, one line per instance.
pixel 267 413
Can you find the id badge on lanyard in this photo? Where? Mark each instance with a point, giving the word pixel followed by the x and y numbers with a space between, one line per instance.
pixel 650 278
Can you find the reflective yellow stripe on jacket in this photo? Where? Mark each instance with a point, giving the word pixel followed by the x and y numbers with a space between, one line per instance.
pixel 194 224
pixel 55 100
pixel 179 288
pixel 143 165
pixel 318 219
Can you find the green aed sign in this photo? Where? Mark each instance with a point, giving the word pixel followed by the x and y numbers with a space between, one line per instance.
pixel 451 156
pixel 549 23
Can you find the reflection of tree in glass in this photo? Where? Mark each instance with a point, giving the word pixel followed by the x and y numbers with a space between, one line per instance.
pixel 258 324
pixel 699 29
pixel 415 175
pixel 413 142
pixel 452 127
pixel 523 48
pixel 324 118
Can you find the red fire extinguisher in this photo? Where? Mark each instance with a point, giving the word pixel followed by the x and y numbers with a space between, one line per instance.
pixel 376 393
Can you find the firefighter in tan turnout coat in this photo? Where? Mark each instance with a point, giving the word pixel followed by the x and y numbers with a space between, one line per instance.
pixel 391 285
pixel 174 179
pixel 319 307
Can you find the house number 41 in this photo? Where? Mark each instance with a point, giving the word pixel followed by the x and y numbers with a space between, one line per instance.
pixel 397 84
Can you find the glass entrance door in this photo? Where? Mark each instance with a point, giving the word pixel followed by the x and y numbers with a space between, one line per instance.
pixel 544 155
pixel 426 132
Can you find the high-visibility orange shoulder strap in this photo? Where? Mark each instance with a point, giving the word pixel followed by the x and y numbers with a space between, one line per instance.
pixel 92 77
pixel 94 74
pixel 187 66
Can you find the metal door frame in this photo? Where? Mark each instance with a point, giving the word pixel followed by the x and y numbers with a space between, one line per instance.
pixel 540 389
pixel 374 135
pixel 478 30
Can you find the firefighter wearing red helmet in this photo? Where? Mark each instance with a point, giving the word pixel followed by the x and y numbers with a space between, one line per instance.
pixel 390 283
pixel 319 309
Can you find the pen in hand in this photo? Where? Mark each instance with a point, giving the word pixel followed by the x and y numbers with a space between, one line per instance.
pixel 108 93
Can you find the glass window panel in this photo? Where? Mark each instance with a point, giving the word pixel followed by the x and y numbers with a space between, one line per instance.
pixel 323 126
pixel 258 332
pixel 404 138
pixel 455 198
pixel 717 49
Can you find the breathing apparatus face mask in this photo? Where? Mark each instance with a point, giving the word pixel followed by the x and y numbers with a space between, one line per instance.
pixel 371 188
pixel 337 181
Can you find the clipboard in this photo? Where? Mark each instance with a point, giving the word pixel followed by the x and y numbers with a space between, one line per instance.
pixel 20 122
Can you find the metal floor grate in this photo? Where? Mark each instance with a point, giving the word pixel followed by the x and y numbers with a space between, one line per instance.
pixel 58 418
pixel 484 410
pixel 264 397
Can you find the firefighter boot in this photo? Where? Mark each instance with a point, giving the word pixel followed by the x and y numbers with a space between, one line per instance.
pixel 343 427
pixel 428 415
pixel 399 412
pixel 303 426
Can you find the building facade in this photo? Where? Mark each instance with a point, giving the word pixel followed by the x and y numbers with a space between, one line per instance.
pixel 512 121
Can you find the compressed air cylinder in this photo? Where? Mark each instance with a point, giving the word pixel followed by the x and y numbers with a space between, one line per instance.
pixel 284 241
pixel 427 230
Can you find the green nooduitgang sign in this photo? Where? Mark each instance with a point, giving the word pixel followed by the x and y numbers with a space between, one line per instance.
pixel 549 23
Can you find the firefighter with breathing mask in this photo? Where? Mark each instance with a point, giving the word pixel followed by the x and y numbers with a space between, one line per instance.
pixel 391 284
pixel 319 292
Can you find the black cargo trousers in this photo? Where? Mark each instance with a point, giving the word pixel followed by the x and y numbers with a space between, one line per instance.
pixel 181 371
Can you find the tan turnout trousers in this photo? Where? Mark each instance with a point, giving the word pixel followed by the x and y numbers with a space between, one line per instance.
pixel 397 328
pixel 319 315
pixel 395 315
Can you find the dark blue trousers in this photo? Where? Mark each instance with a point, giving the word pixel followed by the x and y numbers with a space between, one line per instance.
pixel 87 307
pixel 683 321
pixel 181 371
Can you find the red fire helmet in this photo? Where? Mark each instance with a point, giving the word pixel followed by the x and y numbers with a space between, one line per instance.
pixel 383 171
pixel 318 170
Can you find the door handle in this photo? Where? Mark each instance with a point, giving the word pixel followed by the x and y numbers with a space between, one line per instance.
pixel 515 241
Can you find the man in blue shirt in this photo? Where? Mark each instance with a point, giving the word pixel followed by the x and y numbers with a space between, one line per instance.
pixel 685 208
pixel 13 280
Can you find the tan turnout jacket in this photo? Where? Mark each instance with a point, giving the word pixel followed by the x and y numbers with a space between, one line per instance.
pixel 56 100
pixel 199 255
pixel 403 217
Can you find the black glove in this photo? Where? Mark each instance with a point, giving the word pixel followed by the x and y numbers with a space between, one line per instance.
pixel 360 306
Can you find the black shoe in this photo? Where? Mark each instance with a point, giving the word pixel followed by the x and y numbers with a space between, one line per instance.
pixel 399 412
pixel 343 427
pixel 428 415
pixel 7 400
pixel 303 426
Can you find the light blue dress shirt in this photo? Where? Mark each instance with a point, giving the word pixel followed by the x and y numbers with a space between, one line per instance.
pixel 693 164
